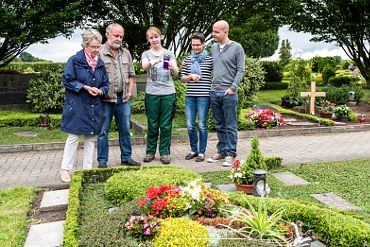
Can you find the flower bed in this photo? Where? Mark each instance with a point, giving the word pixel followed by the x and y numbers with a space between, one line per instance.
pixel 333 227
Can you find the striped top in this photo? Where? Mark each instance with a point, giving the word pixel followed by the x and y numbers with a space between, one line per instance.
pixel 203 86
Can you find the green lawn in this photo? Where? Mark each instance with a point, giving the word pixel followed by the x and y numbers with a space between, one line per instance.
pixel 347 179
pixel 14 205
pixel 8 135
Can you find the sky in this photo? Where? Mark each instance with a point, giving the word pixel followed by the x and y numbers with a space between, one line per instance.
pixel 61 48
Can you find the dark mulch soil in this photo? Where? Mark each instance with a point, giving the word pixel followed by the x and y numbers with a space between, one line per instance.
pixel 35 215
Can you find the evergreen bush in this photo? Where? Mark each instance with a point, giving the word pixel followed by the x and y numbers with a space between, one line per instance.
pixel 46 94
pixel 274 72
pixel 252 81
pixel 327 73
pixel 338 81
pixel 254 161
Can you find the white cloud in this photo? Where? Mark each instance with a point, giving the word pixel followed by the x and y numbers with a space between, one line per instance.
pixel 58 49
pixel 304 48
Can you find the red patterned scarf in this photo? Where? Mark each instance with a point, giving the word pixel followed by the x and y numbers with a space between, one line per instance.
pixel 92 61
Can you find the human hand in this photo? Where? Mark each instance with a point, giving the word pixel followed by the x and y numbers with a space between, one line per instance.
pixel 128 96
pixel 194 77
pixel 93 90
pixel 154 62
pixel 230 91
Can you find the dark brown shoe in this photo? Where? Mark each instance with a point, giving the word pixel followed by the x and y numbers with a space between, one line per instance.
pixel 130 162
pixel 148 158
pixel 191 155
pixel 165 159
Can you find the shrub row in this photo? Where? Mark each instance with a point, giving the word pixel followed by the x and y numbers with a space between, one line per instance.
pixel 35 66
pixel 336 228
pixel 125 186
pixel 275 86
pixel 282 110
pixel 26 119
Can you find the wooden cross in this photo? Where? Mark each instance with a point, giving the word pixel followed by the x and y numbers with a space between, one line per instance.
pixel 312 95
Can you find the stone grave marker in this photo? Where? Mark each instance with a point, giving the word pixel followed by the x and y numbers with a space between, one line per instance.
pixel 290 179
pixel 333 200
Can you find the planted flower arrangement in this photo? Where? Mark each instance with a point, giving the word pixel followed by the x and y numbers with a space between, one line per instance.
pixel 266 118
pixel 195 215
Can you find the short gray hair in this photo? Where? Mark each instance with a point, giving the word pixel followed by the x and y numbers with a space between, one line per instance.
pixel 110 27
pixel 89 35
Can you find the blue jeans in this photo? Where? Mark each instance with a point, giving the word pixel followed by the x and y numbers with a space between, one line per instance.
pixel 121 112
pixel 224 111
pixel 197 106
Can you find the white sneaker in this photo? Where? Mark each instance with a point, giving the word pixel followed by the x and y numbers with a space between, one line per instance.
pixel 228 161
pixel 215 158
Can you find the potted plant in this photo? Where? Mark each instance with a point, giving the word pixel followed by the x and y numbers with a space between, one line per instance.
pixel 341 111
pixel 242 170
pixel 326 108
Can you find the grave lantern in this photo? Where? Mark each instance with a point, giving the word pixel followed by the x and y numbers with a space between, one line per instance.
pixel 351 96
pixel 259 183
pixel 44 121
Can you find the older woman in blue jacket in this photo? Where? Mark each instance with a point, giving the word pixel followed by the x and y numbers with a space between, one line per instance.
pixel 85 80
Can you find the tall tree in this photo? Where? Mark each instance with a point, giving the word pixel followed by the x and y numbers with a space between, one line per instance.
pixel 257 34
pixel 178 19
pixel 345 22
pixel 285 53
pixel 25 22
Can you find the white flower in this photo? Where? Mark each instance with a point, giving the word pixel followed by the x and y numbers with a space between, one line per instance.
pixel 194 189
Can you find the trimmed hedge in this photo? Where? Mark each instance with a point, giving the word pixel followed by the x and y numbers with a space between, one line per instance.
pixel 125 186
pixel 35 66
pixel 320 120
pixel 275 86
pixel 11 118
pixel 27 119
pixel 336 229
pixel 273 162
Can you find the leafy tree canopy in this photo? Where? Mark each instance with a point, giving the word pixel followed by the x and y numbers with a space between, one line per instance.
pixel 345 22
pixel 27 57
pixel 253 23
pixel 26 22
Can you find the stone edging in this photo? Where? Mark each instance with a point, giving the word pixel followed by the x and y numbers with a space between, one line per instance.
pixel 212 136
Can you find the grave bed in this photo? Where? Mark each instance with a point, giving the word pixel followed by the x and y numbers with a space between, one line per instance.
pixel 333 228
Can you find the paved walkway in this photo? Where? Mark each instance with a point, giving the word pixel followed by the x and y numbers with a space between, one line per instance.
pixel 41 168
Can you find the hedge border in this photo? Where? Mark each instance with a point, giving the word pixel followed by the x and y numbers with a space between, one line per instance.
pixel 79 179
pixel 336 228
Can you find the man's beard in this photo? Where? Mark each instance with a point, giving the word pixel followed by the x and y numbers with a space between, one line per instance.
pixel 115 46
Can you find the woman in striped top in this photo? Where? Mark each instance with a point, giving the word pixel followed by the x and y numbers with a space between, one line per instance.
pixel 197 72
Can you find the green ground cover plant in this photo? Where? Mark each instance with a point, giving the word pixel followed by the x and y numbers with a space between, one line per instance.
pixel 14 205
pixel 348 181
pixel 8 135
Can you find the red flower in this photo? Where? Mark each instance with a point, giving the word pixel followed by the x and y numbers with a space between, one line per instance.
pixel 153 192
pixel 236 164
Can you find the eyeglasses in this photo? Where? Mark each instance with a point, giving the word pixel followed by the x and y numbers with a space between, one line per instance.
pixel 95 47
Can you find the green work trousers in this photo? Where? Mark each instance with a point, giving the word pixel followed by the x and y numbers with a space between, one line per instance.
pixel 160 110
